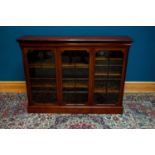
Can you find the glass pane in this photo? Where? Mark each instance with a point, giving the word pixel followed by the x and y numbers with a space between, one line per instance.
pixel 75 74
pixel 42 75
pixel 108 70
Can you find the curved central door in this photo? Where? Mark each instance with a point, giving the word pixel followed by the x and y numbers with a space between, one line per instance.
pixel 75 75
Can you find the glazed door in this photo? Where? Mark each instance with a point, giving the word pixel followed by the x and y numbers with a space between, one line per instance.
pixel 107 76
pixel 42 75
pixel 75 76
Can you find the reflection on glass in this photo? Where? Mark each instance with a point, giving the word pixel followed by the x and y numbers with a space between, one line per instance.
pixel 42 75
pixel 75 76
pixel 108 70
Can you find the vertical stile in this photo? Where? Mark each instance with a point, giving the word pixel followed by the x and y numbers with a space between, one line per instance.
pixel 124 64
pixel 59 75
pixel 91 76
pixel 27 75
pixel 107 77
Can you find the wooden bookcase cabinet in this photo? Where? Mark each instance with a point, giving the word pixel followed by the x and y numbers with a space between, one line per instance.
pixel 75 74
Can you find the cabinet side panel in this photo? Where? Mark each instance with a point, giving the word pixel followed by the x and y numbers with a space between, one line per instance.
pixel 27 76
pixel 125 59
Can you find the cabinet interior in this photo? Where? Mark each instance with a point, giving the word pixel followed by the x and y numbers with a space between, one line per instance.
pixel 75 76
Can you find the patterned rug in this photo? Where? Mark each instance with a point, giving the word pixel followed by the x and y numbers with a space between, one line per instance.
pixel 139 112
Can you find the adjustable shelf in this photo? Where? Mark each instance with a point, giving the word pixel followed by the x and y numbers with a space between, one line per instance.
pixel 38 65
pixel 104 58
pixel 105 74
pixel 75 65
pixel 44 86
pixel 73 85
pixel 75 74
pixel 108 91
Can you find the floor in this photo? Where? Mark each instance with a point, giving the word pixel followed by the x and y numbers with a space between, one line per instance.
pixel 139 112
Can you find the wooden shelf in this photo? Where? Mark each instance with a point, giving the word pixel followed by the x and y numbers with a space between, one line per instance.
pixel 103 90
pixel 43 86
pixel 100 65
pixel 107 79
pixel 107 74
pixel 82 79
pixel 65 85
pixel 44 91
pixel 103 58
pixel 74 92
pixel 42 78
pixel 76 65
pixel 42 65
pixel 74 85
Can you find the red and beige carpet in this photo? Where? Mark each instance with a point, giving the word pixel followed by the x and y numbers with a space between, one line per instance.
pixel 139 112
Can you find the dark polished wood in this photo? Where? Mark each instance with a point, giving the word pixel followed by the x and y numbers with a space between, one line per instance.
pixel 78 109
pixel 89 47
pixel 69 39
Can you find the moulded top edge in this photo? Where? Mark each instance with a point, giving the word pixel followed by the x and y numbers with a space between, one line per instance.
pixel 123 39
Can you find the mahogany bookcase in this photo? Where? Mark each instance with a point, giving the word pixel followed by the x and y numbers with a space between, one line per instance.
pixel 75 74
